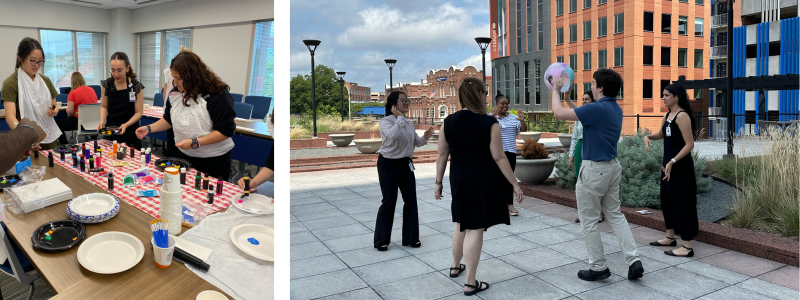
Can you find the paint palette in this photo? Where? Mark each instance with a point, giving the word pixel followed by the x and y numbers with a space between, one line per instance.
pixel 256 240
pixel 8 181
pixel 163 163
pixel 58 235
pixel 110 130
pixel 67 148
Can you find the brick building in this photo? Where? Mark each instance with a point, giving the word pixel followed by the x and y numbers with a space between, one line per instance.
pixel 377 97
pixel 437 95
pixel 358 94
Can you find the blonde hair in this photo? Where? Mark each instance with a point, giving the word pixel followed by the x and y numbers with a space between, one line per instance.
pixel 77 80
pixel 472 95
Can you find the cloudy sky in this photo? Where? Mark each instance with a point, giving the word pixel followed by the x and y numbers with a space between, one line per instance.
pixel 357 35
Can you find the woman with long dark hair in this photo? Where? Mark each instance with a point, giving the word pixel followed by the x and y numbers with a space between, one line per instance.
pixel 395 170
pixel 576 145
pixel 510 127
pixel 678 183
pixel 28 94
pixel 122 101
pixel 201 115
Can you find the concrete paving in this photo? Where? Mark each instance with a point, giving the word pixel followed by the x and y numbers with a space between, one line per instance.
pixel 537 257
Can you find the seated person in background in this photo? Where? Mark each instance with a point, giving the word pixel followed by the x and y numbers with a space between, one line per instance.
pixel 79 95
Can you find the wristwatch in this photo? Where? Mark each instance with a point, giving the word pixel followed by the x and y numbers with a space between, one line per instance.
pixel 148 129
pixel 195 143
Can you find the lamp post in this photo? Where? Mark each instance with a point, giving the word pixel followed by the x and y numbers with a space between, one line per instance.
pixel 483 42
pixel 341 93
pixel 390 63
pixel 312 46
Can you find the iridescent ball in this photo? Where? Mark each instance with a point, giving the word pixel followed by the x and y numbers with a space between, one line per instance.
pixel 559 69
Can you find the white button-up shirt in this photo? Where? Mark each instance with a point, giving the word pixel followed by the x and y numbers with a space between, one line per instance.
pixel 399 137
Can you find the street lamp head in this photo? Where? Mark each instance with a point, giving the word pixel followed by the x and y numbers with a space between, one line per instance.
pixel 483 42
pixel 341 75
pixel 311 44
pixel 390 62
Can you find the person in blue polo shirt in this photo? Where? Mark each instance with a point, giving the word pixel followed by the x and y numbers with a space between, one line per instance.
pixel 598 178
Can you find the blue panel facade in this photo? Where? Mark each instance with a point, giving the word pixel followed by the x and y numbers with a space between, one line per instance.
pixel 739 70
pixel 790 57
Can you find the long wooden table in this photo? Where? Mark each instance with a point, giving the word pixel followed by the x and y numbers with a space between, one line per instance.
pixel 63 273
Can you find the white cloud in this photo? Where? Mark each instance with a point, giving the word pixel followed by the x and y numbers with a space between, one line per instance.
pixel 431 28
pixel 475 61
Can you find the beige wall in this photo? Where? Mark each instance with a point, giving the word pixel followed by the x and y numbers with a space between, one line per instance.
pixel 195 13
pixel 226 50
pixel 42 14
pixel 8 51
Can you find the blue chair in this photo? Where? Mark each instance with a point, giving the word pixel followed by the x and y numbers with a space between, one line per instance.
pixel 243 151
pixel 62 98
pixel 18 265
pixel 65 90
pixel 260 105
pixel 158 100
pixel 1 102
pixel 237 98
pixel 96 89
pixel 243 110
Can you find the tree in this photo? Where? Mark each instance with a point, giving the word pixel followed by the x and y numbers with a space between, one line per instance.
pixel 327 92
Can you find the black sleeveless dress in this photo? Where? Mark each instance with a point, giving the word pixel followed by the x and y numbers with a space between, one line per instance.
pixel 478 186
pixel 679 194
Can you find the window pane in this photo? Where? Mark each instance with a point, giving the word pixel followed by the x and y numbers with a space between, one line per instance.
pixel 92 56
pixel 666 23
pixel 602 58
pixel 527 84
pixel 665 56
pixel 262 68
pixel 587 3
pixel 59 56
pixel 601 26
pixel 150 62
pixel 698 2
pixel 573 33
pixel 573 5
pixel 559 35
pixel 516 83
pixel 647 55
pixel 587 60
pixel 573 62
pixel 540 12
pixel 681 57
pixel 647 88
pixel 698 58
pixel 601 2
pixel 587 87
pixel 682 23
pixel 618 57
pixel 648 21
pixel 529 16
pixel 560 59
pixel 619 23
pixel 664 84
pixel 698 26
pixel 559 7
pixel 587 30
pixel 537 81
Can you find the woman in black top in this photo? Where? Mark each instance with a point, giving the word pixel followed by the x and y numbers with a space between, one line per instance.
pixel 122 101
pixel 678 183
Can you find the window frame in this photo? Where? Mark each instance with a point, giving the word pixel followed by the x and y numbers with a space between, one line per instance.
pixel 669 30
pixel 560 36
pixel 587 61
pixel 601 2
pixel 698 58
pixel 621 57
pixel 573 6
pixel 602 26
pixel 573 33
pixel 686 27
pixel 559 8
pixel 617 21
pixel 573 61
pixel 162 54
pixel 685 57
pixel 75 56
pixel 644 55
pixel 702 27
pixel 604 60
pixel 587 34
pixel 645 86
pixel 652 21
pixel 668 56
pixel 587 4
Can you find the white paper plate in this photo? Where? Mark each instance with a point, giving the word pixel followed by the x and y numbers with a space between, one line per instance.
pixel 110 252
pixel 255 204
pixel 94 204
pixel 246 236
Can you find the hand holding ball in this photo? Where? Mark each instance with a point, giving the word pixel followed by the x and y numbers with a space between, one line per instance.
pixel 562 70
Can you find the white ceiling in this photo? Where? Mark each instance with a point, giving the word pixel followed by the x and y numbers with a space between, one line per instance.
pixel 112 4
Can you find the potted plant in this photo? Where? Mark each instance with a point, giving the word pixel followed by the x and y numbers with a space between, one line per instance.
pixel 342 139
pixel 566 138
pixel 370 145
pixel 535 165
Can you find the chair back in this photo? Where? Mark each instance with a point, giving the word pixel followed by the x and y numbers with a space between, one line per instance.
pixel 243 151
pixel 158 100
pixel 237 98
pixel 261 106
pixel 88 116
pixel 243 110
pixel 65 90
pixel 16 262
pixel 62 98
pixel 96 89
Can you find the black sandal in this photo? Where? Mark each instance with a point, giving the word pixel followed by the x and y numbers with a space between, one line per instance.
pixel 477 288
pixel 690 254
pixel 382 248
pixel 656 243
pixel 417 245
pixel 460 269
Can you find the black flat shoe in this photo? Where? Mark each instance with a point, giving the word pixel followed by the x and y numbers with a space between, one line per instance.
pixel 477 288
pixel 656 243
pixel 635 271
pixel 417 245
pixel 382 248
pixel 590 275
pixel 460 269
pixel 577 220
pixel 690 254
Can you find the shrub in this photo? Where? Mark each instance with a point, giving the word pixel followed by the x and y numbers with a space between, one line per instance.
pixel 533 150
pixel 565 174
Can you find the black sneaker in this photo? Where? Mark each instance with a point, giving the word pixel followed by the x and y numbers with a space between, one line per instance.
pixel 635 271
pixel 590 275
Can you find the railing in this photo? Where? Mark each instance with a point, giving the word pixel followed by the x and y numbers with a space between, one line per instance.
pixel 719 20
pixel 718 74
pixel 719 51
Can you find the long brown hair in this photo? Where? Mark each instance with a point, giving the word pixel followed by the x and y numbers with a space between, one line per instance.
pixel 77 80
pixel 472 95
pixel 26 46
pixel 196 77
pixel 123 56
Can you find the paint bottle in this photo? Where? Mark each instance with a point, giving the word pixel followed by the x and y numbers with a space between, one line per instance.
pixel 219 186
pixel 74 160
pixel 211 195
pixel 62 154
pixel 83 165
pixel 205 182
pixel 114 148
pixel 50 159
pixel 141 156
pixel 96 147
pixel 110 181
pixel 147 156
pixel 132 152
pixel 91 162
pixel 246 185
pixel 197 181
pixel 97 160
pixel 35 152
pixel 183 175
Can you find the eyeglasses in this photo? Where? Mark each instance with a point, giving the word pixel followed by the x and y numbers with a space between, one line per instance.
pixel 117 71
pixel 34 63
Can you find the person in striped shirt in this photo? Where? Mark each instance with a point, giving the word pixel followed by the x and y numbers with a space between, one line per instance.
pixel 510 126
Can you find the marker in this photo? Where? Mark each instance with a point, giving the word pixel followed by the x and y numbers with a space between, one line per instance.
pixel 246 185
pixel 219 186
pixel 183 176
pixel 197 181
pixel 211 195
pixel 62 154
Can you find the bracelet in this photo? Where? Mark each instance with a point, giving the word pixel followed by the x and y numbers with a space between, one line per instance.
pixel 438 182
pixel 148 129
pixel 673 161
pixel 34 130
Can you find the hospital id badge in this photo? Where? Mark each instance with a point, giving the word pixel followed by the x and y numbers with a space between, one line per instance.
pixel 411 165
pixel 132 96
pixel 669 132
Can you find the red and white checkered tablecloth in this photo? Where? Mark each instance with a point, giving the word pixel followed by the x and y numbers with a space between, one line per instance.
pixel 154 112
pixel 150 205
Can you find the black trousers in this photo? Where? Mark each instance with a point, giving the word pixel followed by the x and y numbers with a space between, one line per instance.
pixel 394 174
pixel 68 124
pixel 512 160
pixel 217 167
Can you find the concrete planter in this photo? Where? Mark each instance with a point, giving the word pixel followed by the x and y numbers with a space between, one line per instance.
pixel 368 146
pixel 533 171
pixel 342 140
pixel 438 123
pixel 530 135
pixel 565 139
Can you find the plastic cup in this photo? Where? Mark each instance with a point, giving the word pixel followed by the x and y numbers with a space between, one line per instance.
pixel 163 256
pixel 211 295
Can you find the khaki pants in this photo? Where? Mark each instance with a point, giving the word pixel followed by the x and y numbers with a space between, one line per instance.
pixel 598 189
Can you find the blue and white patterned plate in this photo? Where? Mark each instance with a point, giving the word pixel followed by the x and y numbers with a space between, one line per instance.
pixel 93 208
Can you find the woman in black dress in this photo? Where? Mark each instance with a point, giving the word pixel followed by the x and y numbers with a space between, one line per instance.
pixel 480 178
pixel 122 101
pixel 678 183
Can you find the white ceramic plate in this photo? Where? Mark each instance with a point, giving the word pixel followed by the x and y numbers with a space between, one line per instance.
pixel 92 204
pixel 254 204
pixel 256 240
pixel 110 252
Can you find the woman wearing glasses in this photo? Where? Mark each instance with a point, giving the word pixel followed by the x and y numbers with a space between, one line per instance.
pixel 28 94
pixel 395 170
pixel 122 101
